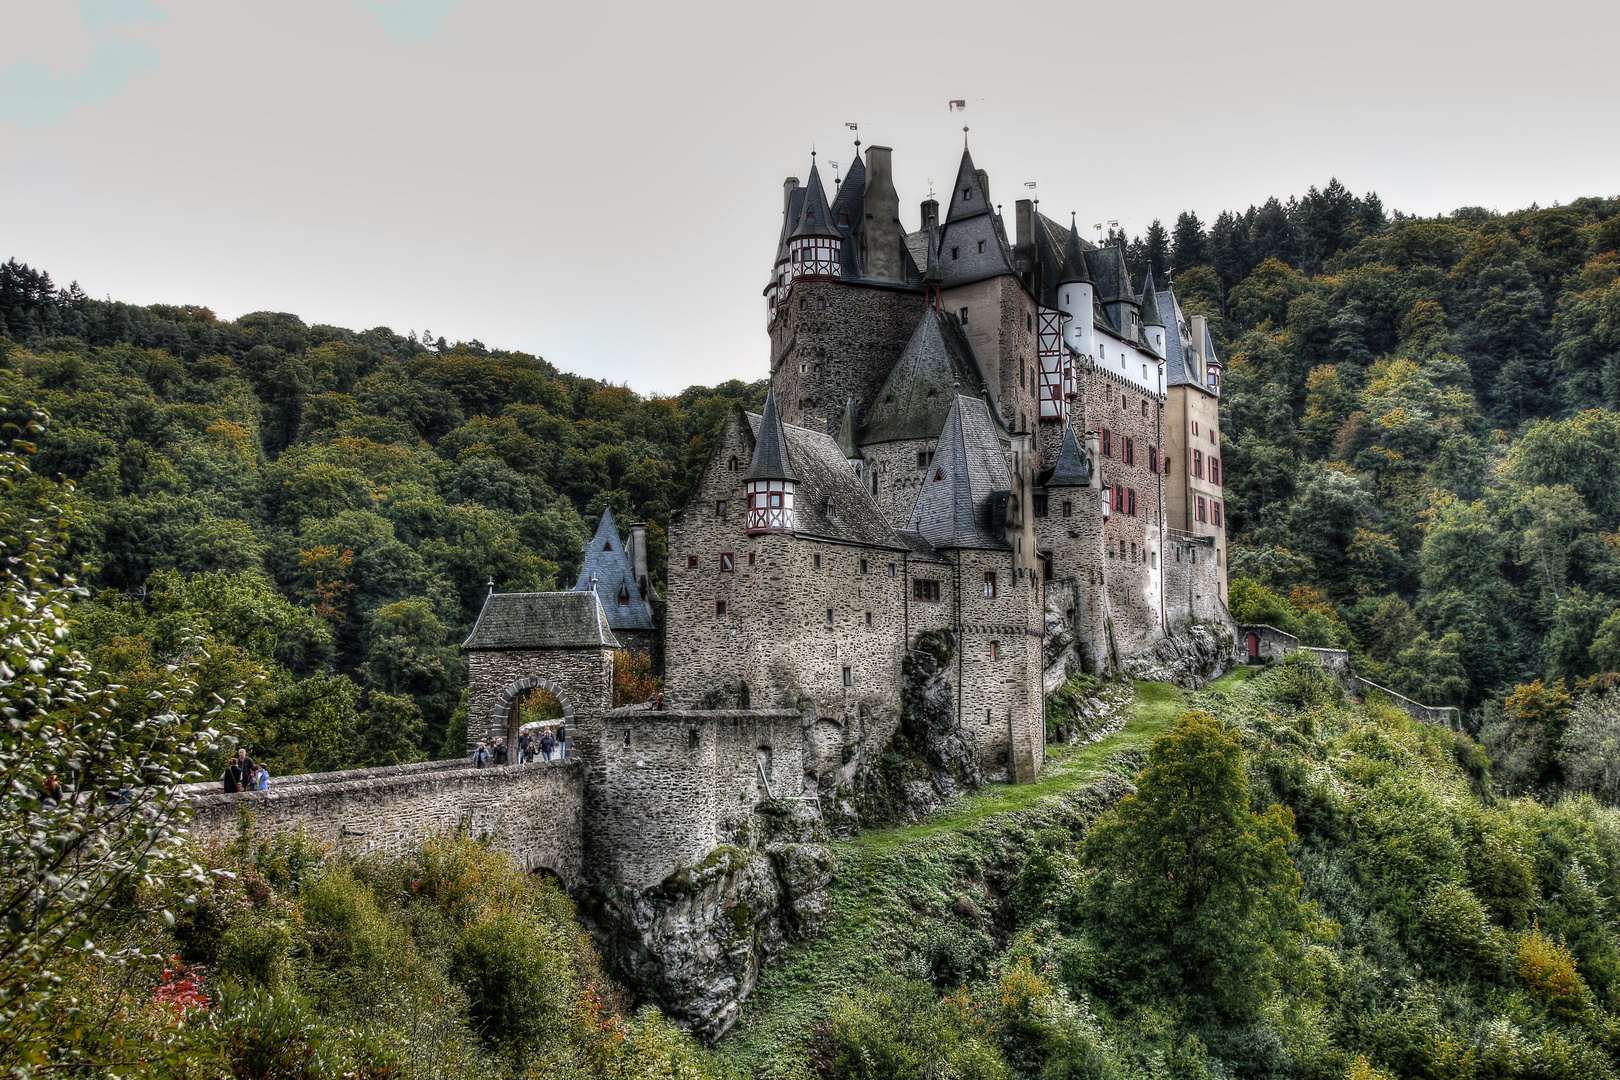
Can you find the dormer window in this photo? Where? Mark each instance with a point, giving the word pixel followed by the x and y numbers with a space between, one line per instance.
pixel 981 247
pixel 843 219
pixel 624 597
pixel 955 253
pixel 939 474
pixel 967 194
pixel 607 545
pixel 829 506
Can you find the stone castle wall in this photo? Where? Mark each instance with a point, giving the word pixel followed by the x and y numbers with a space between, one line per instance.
pixel 1192 584
pixel 533 812
pixel 658 784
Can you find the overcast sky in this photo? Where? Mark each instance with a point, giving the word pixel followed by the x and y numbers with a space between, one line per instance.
pixel 600 183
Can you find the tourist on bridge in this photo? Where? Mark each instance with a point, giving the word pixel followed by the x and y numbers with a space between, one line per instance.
pixel 547 743
pixel 500 751
pixel 562 740
pixel 481 756
pixel 239 774
pixel 525 745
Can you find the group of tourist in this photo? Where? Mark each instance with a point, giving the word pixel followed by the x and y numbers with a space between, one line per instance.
pixel 243 775
pixel 552 746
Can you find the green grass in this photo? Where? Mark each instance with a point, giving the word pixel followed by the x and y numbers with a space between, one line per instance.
pixel 1240 674
pixel 892 882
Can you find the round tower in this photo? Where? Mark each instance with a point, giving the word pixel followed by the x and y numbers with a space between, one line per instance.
pixel 815 246
pixel 769 483
pixel 1077 294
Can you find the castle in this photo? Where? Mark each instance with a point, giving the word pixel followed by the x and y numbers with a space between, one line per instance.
pixel 981 466
pixel 1008 441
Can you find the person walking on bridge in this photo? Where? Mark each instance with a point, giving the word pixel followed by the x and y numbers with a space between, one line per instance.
pixel 562 739
pixel 547 743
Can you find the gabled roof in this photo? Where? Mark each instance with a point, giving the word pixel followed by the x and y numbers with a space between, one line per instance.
pixel 968 197
pixel 823 474
pixel 936 364
pixel 607 560
pixel 1073 468
pixel 1108 271
pixel 815 217
pixel 770 460
pixel 958 500
pixel 542 620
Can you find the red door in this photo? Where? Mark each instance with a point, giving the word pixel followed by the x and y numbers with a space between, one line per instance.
pixel 1254 647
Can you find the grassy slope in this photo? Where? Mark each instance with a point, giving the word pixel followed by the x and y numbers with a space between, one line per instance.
pixel 891 881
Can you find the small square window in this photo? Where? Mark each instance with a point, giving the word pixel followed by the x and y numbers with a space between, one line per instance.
pixel 821 305
pixel 719 508
pixel 1040 504
pixel 719 608
pixel 849 676
pixel 954 253
pixel 804 305
pixel 728 562
pixel 691 562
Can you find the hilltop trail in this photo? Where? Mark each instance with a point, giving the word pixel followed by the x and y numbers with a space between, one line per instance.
pixel 893 883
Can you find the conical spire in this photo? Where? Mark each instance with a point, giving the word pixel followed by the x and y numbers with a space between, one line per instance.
pixel 1074 260
pixel 1150 302
pixel 1072 468
pixel 968 468
pixel 932 275
pixel 846 433
pixel 770 460
pixel 815 218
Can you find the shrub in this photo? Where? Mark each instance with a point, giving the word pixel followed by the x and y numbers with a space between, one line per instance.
pixel 254 950
pixel 899 1030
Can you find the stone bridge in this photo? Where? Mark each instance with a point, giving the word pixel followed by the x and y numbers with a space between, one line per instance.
pixel 532 812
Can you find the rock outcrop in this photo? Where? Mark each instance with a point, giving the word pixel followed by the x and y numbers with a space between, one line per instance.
pixel 695 943
pixel 1193 658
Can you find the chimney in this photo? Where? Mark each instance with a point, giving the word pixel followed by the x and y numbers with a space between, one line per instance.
pixel 930 214
pixel 880 231
pixel 1200 327
pixel 789 186
pixel 638 557
pixel 1024 215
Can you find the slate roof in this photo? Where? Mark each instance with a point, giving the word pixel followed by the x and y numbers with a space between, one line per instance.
pixel 936 364
pixel 1150 303
pixel 815 217
pixel 965 488
pixel 1073 468
pixel 1074 259
pixel 824 472
pixel 846 432
pixel 790 217
pixel 968 197
pixel 771 460
pixel 607 559
pixel 1176 342
pixel 542 620
pixel 848 202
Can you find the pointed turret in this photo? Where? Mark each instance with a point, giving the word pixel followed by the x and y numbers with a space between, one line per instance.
pixel 1074 260
pixel 1150 302
pixel 769 481
pixel 815 246
pixel 1073 468
pixel 936 364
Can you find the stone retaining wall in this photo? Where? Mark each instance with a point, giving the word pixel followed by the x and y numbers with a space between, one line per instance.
pixel 533 812
pixel 1443 715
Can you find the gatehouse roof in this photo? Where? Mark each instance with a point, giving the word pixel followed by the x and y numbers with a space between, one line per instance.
pixel 542 620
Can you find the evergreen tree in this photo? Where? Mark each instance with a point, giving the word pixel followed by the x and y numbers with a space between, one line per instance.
pixel 1156 250
pixel 1189 246
pixel 1272 235
pixel 1229 249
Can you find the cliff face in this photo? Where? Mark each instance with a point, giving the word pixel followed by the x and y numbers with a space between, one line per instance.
pixel 695 943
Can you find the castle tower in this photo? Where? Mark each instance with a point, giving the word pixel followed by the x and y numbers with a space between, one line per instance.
pixel 844 296
pixel 769 483
pixel 1076 296
pixel 1118 298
